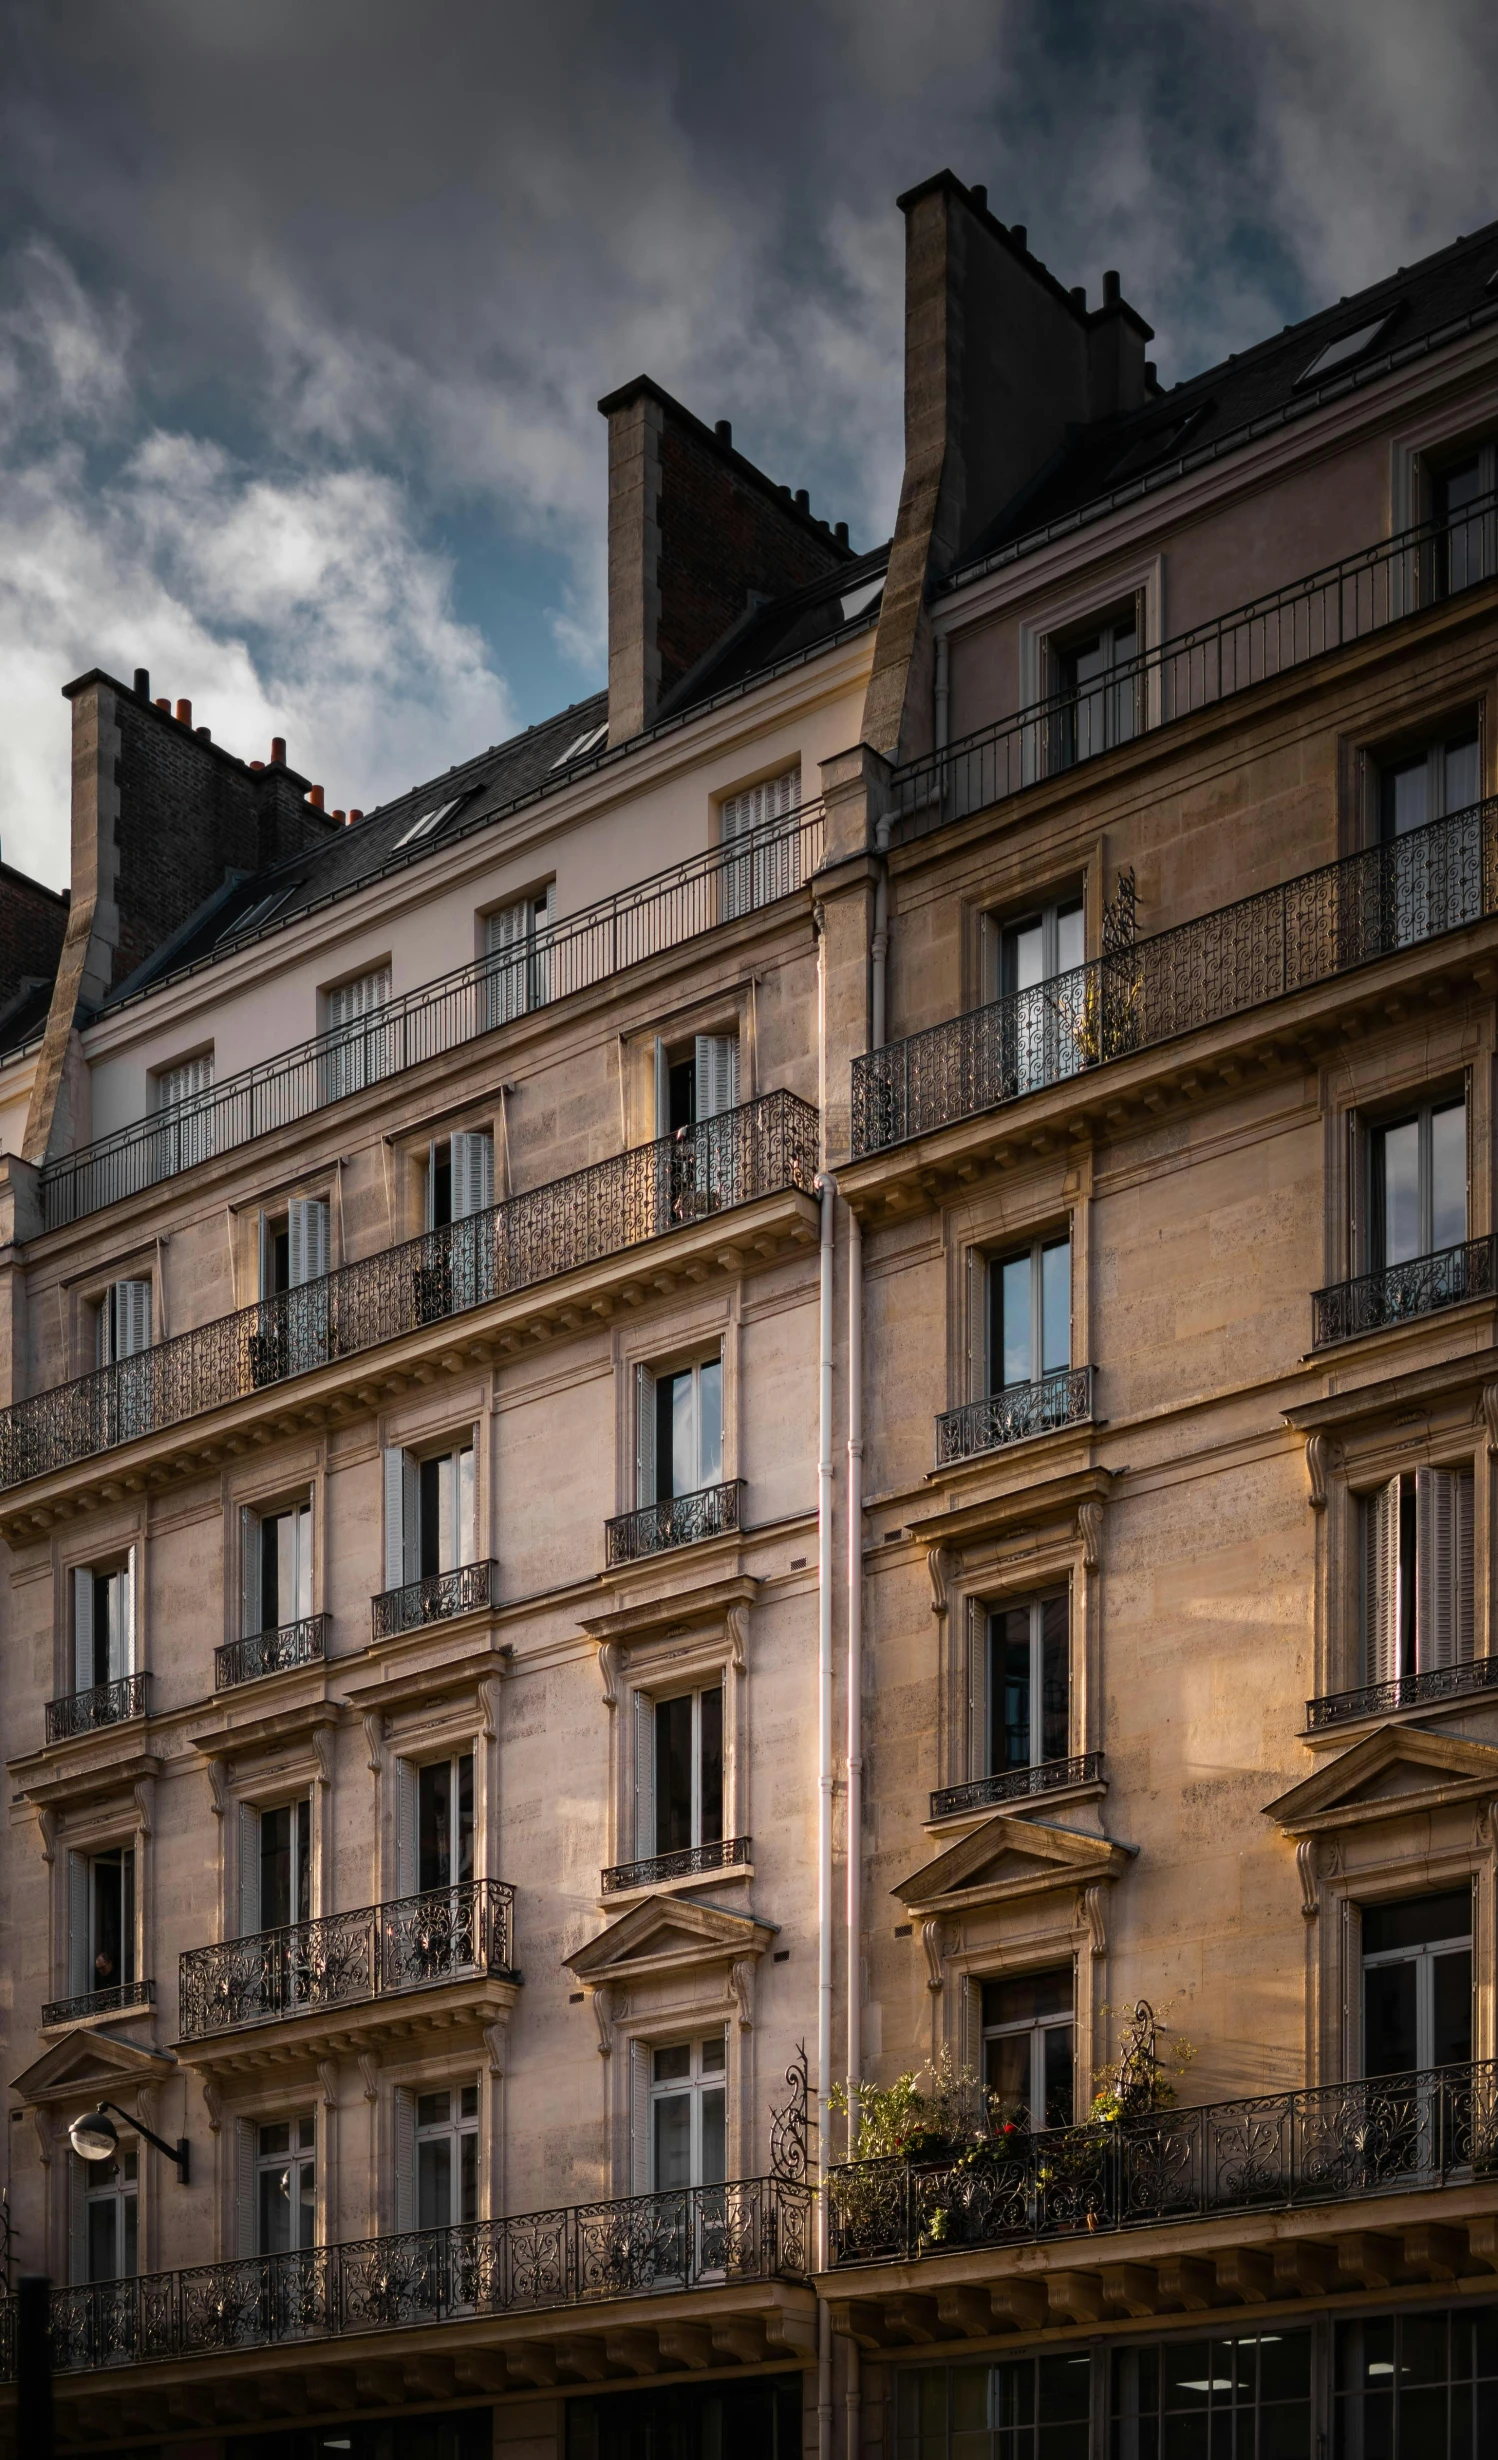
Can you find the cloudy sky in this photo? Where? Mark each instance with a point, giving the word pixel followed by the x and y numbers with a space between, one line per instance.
pixel 305 305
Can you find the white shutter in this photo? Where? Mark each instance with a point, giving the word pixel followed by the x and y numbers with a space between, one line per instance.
pixel 644 1436
pixel 405 1828
pixel 640 2164
pixel 83 1628
pixel 359 998
pixel 473 1173
pixel 662 1090
pixel 975 1644
pixel 307 1242
pixel 249 1870
pixel 644 1774
pixel 303 1549
pixel 245 2148
pixel 405 2159
pixel 717 1068
pixel 395 1517
pixel 132 1317
pixel 977 1324
pixel 80 1977
pixel 507 937
pixel 1381 1584
pixel 77 2219
pixel 251 1609
pixel 770 800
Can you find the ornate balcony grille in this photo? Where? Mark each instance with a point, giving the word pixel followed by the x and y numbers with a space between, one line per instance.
pixel 754 2229
pixel 1323 611
pixel 706 891
pixel 1007 1417
pixel 465 1590
pixel 99 2002
pixel 688 1863
pixel 84 1712
pixel 1409 1691
pixel 1422 1286
pixel 1017 1785
pixel 414 1943
pixel 1329 2145
pixel 712 1512
pixel 270 1652
pixel 1136 996
pixel 760 1149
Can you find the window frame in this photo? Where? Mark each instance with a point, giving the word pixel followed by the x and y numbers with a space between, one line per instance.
pixel 1065 698
pixel 985 1263
pixel 981 1646
pixel 646 1706
pixel 1035 2028
pixel 458 2130
pixel 1422 1115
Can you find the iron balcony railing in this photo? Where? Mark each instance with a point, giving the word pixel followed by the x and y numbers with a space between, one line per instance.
pixel 1329 2145
pixel 1009 1416
pixel 713 1511
pixel 1310 930
pixel 1324 610
pixel 84 1712
pixel 688 1862
pixel 445 1934
pixel 467 1589
pixel 1422 1285
pixel 707 890
pixel 270 1652
pixel 760 1149
pixel 1407 1691
pixel 754 2229
pixel 1016 1785
pixel 99 2002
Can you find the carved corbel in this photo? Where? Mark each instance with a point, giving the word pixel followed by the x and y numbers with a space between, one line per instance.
pixel 489 1707
pixel 737 1620
pixel 374 1740
pixel 603 2017
pixel 322 1744
pixel 1319 1457
pixel 46 1821
pixel 218 1787
pixel 931 1941
pixel 1090 1531
pixel 939 1565
pixel 1490 1414
pixel 1094 1914
pixel 1483 1824
pixel 741 1982
pixel 213 2103
pixel 610 1658
pixel 143 1790
pixel 43 2125
pixel 327 2077
pixel 1305 1863
pixel 494 2043
pixel 145 2105
pixel 369 2075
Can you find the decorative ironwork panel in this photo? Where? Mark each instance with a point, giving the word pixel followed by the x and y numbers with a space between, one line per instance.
pixel 83 1712
pixel 760 1149
pixel 444 1934
pixel 680 1521
pixel 687 1863
pixel 1409 1691
pixel 1008 1417
pixel 1017 1784
pixel 790 2124
pixel 270 1652
pixel 1422 1286
pixel 467 1589
pixel 99 2002
pixel 409 1944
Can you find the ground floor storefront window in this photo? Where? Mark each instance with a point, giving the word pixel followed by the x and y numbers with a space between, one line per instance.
pixel 714 2421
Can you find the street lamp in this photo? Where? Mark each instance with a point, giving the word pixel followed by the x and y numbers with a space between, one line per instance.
pixel 95 2137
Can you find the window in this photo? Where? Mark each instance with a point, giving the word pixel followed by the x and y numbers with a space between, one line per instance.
pixel 518 955
pixel 429 822
pixel 434 1813
pixel 697 1081
pixel 460 1177
pixel 101 1921
pixel 124 1322
pixel 359 1051
pixel 1417 1572
pixel 1197 2398
pixel 1023 2408
pixel 285 2190
pixel 445 2130
pixel 1418 1184
pixel 429 1514
pixel 1019 1685
pixel 1027 2048
pixel 1097 690
pixel 183 1092
pixel 103 2227
pixel 588 742
pixel 294 1245
pixel 1346 347
pixel 275 1563
pixel 686 2087
pixel 1025 1313
pixel 1442 777
pixel 1461 503
pixel 770 865
pixel 1423 2385
pixel 1417 1983
pixel 275 1865
pixel 678 1431
pixel 1035 947
pixel 103 1624
pixel 678 1772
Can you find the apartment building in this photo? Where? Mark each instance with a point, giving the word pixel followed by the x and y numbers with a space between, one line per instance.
pixel 787 1385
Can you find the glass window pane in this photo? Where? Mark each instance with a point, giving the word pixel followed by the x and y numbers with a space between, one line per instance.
pixel 1014 1672
pixel 306 2205
pixel 1407 797
pixel 130 2264
pixel 673 1775
pixel 677 2061
pixel 714 2137
pixel 714 2055
pixel 710 1715
pixel 433 2109
pixel 1025 1998
pixel 434 2163
pixel 1389 2045
pixel 1071 947
pixel 101 2239
pixel 1451 2011
pixel 1417 1921
pixel 1014 1343
pixel 1463 776
pixel 1057 2042
pixel 1396 1158
pixel 1055 1679
pixel 1006 2073
pixel 673 2140
pixel 1023 955
pixel 1055 1307
pixel 469 2101
pixel 710 1440
pixel 465 1816
pixel 434 1825
pixel 468 2146
pixel 275 2209
pixel 1448 1176
pixel 683 1435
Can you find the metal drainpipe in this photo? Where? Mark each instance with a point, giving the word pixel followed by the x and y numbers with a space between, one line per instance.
pixel 827 1188
pixel 855 1737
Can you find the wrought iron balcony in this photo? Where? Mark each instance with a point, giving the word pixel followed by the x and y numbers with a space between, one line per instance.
pixel 707 890
pixel 84 1712
pixel 447 1934
pixel 1017 1785
pixel 761 1149
pixel 465 1590
pixel 270 1652
pixel 99 2002
pixel 1142 993
pixel 1409 1691
pixel 1423 1285
pixel 689 1862
pixel 1330 2145
pixel 1008 1417
pixel 754 2229
pixel 1323 611
pixel 713 1511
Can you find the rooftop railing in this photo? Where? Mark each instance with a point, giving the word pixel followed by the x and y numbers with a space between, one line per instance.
pixel 1310 930
pixel 719 886
pixel 1329 2145
pixel 1398 1293
pixel 579 2255
pixel 446 1934
pixel 1324 610
pixel 763 1148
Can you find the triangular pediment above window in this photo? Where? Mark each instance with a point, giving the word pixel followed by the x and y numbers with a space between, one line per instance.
pixel 1010 1857
pixel 1395 1769
pixel 87 2063
pixel 667 1933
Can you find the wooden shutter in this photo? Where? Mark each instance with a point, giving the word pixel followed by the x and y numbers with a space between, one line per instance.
pixel 410 1517
pixel 395 1517
pixel 472 1173
pixel 717 1068
pixel 1381 1584
pixel 662 1090
pixel 978 1272
pixel 405 2159
pixel 83 1628
pixel 1464 1564
pixel 80 1976
pixel 644 1775
pixel 640 2164
pixel 307 1239
pixel 468 1541
pixel 249 1870
pixel 133 1317
pixel 245 2149
pixel 644 1436
pixel 303 1561
pixel 1443 1567
pixel 251 1610
pixel 406 1807
pixel 975 1642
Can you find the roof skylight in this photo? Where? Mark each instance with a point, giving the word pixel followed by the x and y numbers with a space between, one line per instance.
pixel 585 743
pixel 429 820
pixel 1346 346
pixel 257 914
pixel 864 596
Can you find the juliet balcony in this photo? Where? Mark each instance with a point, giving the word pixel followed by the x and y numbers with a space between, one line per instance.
pixel 1422 1285
pixel 1013 1415
pixel 726 1853
pixel 1461 1681
pixel 270 1652
pixel 439 1598
pixel 676 1187
pixel 114 2001
pixel 103 1704
pixel 1017 1785
pixel 681 1520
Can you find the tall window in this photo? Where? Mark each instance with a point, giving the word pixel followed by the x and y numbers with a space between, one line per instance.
pixel 679 1430
pixel 275 1564
pixel 435 1818
pixel 104 2232
pixel 101 1920
pixel 460 1177
pixel 124 1322
pixel 1417 1983
pixel 294 1245
pixel 678 1772
pixel 103 1623
pixel 1035 947
pixel 359 1045
pixel 275 1865
pixel 1027 2047
pixel 697 1081
pixel 1418 1184
pixel 1443 776
pixel 518 957
pixel 689 2114
pixel 1019 1685
pixel 184 1095
pixel 1029 1313
pixel 1097 690
pixel 769 867
pixel 429 1514
pixel 285 2185
pixel 1462 506
pixel 446 2146
pixel 1417 1574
